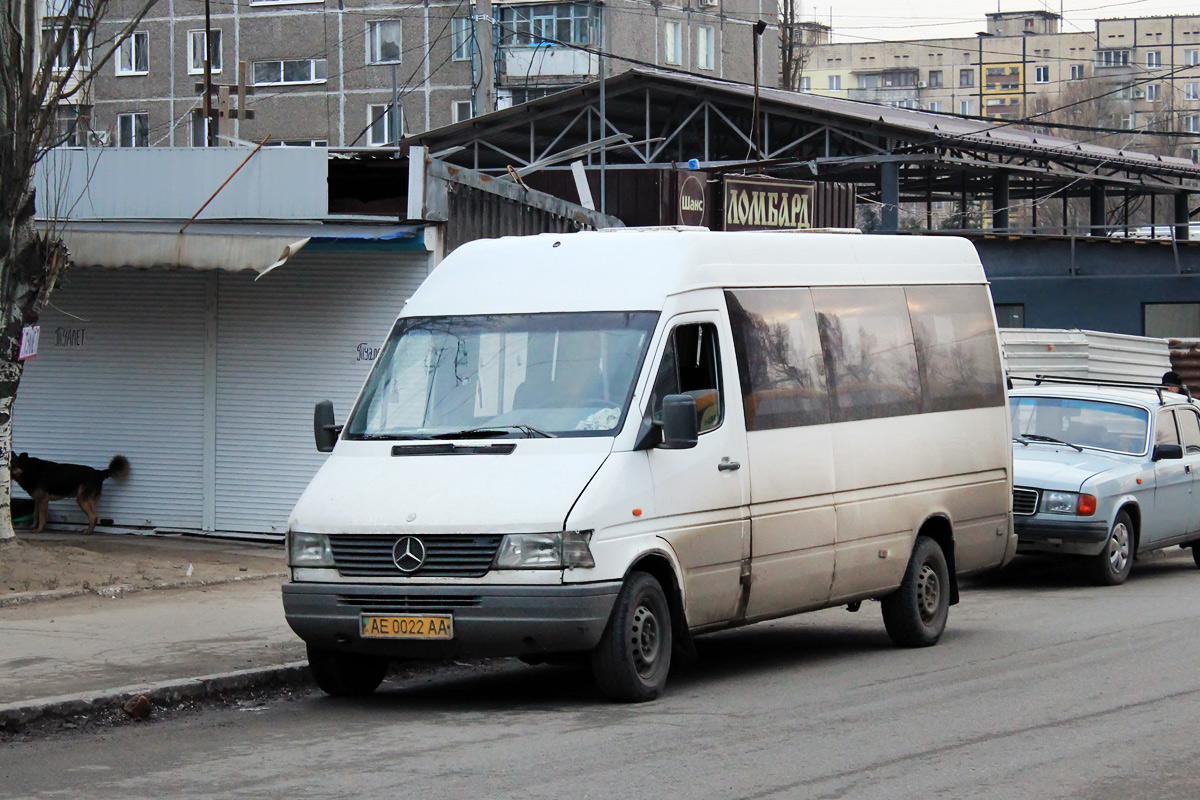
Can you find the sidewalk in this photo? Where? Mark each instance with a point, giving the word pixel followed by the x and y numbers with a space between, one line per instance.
pixel 68 650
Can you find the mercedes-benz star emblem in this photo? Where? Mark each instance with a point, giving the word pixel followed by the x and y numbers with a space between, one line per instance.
pixel 409 554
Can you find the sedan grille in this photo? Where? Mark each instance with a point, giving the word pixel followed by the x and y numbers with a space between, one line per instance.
pixel 1025 501
pixel 446 555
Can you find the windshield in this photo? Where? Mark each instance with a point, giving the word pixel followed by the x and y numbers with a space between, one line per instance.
pixel 509 375
pixel 1086 423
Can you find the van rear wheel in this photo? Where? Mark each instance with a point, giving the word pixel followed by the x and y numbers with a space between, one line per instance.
pixel 631 662
pixel 346 674
pixel 915 614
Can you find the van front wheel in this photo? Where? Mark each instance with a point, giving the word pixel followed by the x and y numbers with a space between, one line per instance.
pixel 346 674
pixel 915 614
pixel 631 662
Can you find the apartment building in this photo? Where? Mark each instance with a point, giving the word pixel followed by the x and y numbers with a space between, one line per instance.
pixel 1024 64
pixel 327 72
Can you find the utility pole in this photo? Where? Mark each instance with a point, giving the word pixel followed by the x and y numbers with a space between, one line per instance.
pixel 485 50
pixel 216 121
pixel 603 111
pixel 207 105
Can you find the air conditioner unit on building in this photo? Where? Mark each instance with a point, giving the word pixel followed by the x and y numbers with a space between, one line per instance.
pixel 98 138
pixel 921 84
pixel 1139 94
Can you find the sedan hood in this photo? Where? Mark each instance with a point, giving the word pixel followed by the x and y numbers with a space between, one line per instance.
pixel 1058 467
pixel 472 488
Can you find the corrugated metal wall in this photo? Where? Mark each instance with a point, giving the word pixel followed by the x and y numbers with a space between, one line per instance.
pixel 481 215
pixel 285 343
pixel 120 369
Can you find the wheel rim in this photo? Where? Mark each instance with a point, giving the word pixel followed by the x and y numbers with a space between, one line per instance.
pixel 1118 548
pixel 929 592
pixel 644 636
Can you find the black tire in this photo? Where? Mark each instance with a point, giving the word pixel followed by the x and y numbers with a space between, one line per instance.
pixel 915 614
pixel 1196 553
pixel 1111 567
pixel 631 662
pixel 346 674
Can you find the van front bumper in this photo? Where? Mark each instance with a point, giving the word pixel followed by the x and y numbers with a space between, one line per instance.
pixel 489 621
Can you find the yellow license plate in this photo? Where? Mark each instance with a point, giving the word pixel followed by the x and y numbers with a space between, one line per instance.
pixel 408 627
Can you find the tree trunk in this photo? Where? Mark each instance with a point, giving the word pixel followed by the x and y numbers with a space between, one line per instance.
pixel 30 263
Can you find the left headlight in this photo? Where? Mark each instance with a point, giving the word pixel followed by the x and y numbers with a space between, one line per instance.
pixel 309 550
pixel 566 550
pixel 1081 505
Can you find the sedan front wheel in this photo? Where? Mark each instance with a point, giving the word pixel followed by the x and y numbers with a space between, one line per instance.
pixel 1111 567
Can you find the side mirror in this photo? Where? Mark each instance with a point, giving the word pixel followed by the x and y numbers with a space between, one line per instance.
pixel 1162 451
pixel 325 431
pixel 680 430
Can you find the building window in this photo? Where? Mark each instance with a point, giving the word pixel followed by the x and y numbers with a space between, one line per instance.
pixel 546 24
pixel 935 79
pixel 1041 74
pixel 1152 92
pixel 133 130
pixel 299 143
pixel 462 110
pixel 463 38
pixel 935 105
pixel 1191 57
pixel 1190 91
pixel 966 77
pixel 379 125
pixel 805 83
pixel 133 54
pixel 1171 320
pixel 1077 72
pixel 274 73
pixel 1127 122
pixel 1154 58
pixel 966 107
pixel 672 46
pixel 70 126
pixel 199 129
pixel 76 49
pixel 384 38
pixel 704 47
pixel 835 83
pixel 1112 58
pixel 1191 123
pixel 1010 315
pixel 196 48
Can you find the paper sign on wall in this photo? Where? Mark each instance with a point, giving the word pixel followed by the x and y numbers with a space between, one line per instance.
pixel 29 341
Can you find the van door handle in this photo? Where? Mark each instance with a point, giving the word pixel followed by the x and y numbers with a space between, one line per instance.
pixel 728 466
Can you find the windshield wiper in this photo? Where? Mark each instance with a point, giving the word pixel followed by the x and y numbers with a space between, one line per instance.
pixel 1037 437
pixel 496 430
pixel 390 437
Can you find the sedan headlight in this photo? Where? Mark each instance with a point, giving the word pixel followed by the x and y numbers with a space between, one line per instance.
pixel 566 550
pixel 309 550
pixel 1074 503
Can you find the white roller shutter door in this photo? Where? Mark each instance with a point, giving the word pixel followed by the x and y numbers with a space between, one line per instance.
pixel 285 343
pixel 120 369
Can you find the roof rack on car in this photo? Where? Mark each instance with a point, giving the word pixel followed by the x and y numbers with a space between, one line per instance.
pixel 1159 388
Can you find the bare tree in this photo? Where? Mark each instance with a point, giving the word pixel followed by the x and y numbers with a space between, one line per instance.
pixel 50 51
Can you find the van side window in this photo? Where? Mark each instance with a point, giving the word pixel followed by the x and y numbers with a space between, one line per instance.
pixel 690 365
pixel 870 358
pixel 957 355
pixel 778 350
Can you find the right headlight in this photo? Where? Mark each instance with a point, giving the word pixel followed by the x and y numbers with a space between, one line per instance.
pixel 566 550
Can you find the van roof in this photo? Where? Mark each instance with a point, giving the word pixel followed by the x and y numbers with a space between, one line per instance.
pixel 631 270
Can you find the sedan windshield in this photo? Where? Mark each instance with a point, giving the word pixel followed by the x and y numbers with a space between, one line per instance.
pixel 511 375
pixel 1083 423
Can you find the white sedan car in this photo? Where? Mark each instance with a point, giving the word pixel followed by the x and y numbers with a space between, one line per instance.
pixel 1105 472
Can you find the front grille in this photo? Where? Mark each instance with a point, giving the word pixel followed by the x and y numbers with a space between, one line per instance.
pixel 402 604
pixel 446 555
pixel 1025 501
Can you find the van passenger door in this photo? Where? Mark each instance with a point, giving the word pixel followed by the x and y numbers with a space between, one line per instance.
pixel 701 493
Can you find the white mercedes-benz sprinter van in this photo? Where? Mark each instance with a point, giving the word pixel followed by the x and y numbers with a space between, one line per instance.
pixel 602 444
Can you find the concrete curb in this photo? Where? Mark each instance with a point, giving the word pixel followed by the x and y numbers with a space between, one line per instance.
pixel 14 716
pixel 120 590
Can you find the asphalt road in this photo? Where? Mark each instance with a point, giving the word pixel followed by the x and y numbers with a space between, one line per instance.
pixel 1043 687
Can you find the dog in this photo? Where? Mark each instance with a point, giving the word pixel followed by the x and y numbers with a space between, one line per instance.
pixel 47 480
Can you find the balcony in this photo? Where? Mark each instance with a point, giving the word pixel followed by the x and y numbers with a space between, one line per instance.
pixel 547 61
pixel 885 95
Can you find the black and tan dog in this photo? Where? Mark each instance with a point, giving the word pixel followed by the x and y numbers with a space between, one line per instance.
pixel 47 480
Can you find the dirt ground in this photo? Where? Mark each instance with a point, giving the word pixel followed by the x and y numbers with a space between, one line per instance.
pixel 57 563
